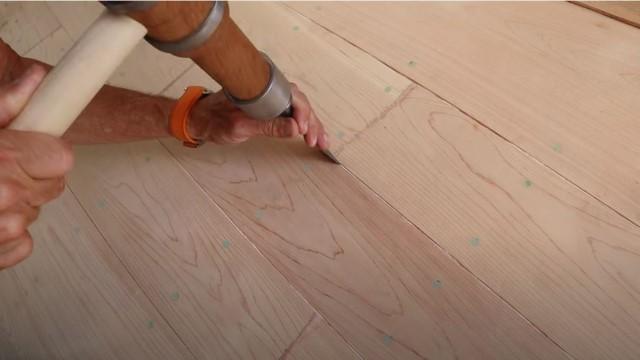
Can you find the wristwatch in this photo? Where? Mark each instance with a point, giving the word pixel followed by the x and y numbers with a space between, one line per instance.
pixel 181 115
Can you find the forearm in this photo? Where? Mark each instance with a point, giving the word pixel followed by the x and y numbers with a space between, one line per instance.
pixel 121 115
pixel 114 115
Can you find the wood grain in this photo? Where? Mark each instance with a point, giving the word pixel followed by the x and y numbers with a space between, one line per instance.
pixel 626 11
pixel 318 341
pixel 381 283
pixel 566 262
pixel 72 299
pixel 559 81
pixel 207 279
pixel 219 294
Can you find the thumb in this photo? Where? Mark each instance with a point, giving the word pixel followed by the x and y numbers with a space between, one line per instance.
pixel 279 127
pixel 41 156
pixel 15 95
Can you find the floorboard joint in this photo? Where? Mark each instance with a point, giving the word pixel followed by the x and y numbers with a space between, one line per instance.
pixel 124 266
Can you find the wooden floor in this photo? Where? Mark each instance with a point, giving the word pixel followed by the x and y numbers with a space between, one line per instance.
pixel 487 207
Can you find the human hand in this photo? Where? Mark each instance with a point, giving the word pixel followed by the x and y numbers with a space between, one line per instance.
pixel 32 169
pixel 216 119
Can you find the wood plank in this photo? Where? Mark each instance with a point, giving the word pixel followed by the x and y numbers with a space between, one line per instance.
pixel 318 341
pixel 566 262
pixel 626 11
pixel 145 69
pixel 52 48
pixel 73 299
pixel 215 289
pixel 565 91
pixel 381 283
pixel 24 24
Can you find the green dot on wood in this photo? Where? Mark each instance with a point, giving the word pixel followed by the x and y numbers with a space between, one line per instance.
pixel 436 284
pixel 475 241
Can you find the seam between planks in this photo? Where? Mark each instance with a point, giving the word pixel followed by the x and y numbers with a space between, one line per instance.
pixel 124 266
pixel 523 151
pixel 584 5
pixel 316 312
pixel 295 341
pixel 178 77
pixel 414 85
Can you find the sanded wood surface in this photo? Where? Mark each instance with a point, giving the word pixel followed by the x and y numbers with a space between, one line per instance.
pixel 25 24
pixel 318 341
pixel 626 11
pixel 558 80
pixel 218 293
pixel 437 239
pixel 381 283
pixel 566 262
pixel 73 299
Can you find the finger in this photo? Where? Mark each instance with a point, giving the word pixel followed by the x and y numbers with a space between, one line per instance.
pixel 323 139
pixel 279 127
pixel 14 96
pixel 21 250
pixel 11 245
pixel 301 110
pixel 315 129
pixel 11 192
pixel 41 156
pixel 45 190
pixel 14 224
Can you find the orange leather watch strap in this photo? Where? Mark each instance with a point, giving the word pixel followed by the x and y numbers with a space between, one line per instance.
pixel 181 115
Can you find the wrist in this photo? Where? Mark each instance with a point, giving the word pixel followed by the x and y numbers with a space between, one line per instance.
pixel 199 121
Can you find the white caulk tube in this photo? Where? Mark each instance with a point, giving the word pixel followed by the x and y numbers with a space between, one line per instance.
pixel 77 78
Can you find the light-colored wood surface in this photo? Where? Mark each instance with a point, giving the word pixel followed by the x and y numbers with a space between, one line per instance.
pixel 381 283
pixel 626 11
pixel 25 24
pixel 483 253
pixel 558 80
pixel 316 342
pixel 73 299
pixel 567 263
pixel 210 283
